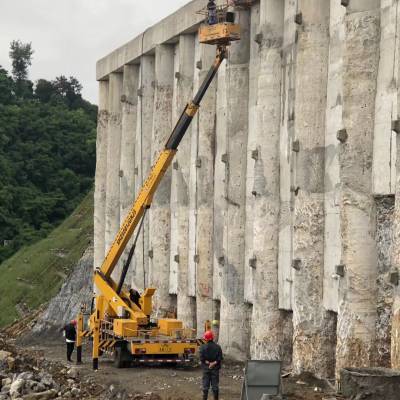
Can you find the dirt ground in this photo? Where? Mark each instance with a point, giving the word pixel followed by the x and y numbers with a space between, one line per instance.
pixel 177 383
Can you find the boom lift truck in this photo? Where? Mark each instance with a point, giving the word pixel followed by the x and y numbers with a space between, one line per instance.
pixel 117 324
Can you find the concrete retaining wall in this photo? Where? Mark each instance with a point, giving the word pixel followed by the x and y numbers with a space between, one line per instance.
pixel 277 216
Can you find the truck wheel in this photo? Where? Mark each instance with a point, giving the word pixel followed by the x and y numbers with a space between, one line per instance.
pixel 119 361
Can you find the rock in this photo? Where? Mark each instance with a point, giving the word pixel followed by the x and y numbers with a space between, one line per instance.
pixel 48 394
pixel 4 355
pixel 67 394
pixel 40 387
pixel 6 382
pixel 11 363
pixel 25 376
pixel 75 391
pixel 73 372
pixel 16 388
pixel 5 388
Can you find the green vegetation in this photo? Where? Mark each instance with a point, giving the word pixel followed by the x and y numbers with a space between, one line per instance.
pixel 47 152
pixel 35 273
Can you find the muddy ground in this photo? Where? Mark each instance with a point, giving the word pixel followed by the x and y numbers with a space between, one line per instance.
pixel 175 383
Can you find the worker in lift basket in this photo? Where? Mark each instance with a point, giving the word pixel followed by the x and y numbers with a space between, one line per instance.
pixel 211 359
pixel 212 12
pixel 70 337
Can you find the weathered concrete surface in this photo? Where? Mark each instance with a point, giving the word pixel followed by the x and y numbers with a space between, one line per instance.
pixel 357 314
pixel 113 157
pixel 267 327
pixel 101 176
pixel 338 73
pixel 183 92
pixel 204 169
pixel 370 383
pixel 384 240
pixel 160 212
pixel 314 328
pixel 128 141
pixel 234 328
pixel 143 161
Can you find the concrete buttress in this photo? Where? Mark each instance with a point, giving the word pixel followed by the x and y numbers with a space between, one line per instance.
pixel 183 92
pixel 268 329
pixel 314 329
pixel 113 157
pixel 357 292
pixel 143 157
pixel 160 211
pixel 128 142
pixel 101 176
pixel 234 325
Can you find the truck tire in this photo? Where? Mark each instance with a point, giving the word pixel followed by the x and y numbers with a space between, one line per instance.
pixel 119 360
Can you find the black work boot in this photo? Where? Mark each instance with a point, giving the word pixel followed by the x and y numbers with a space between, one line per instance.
pixel 216 395
pixel 205 395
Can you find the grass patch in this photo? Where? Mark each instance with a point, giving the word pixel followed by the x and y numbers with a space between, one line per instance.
pixel 35 273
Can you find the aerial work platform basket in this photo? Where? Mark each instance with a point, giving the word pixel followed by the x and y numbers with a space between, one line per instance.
pixel 222 30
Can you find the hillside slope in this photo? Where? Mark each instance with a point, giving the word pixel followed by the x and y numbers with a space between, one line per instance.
pixel 35 273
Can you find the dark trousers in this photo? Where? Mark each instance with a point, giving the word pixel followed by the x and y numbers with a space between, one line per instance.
pixel 210 377
pixel 70 349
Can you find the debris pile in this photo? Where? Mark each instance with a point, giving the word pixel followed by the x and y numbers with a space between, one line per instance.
pixel 26 375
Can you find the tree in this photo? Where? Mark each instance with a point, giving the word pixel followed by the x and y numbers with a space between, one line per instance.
pixel 44 90
pixel 21 59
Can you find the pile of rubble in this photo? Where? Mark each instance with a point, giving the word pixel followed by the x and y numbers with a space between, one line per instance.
pixel 26 375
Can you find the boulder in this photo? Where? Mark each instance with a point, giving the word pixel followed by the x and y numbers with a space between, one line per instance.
pixel 16 388
pixel 46 395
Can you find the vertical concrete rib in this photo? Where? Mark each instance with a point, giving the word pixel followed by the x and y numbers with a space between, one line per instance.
pixel 220 172
pixel 286 158
pixel 101 176
pixel 143 161
pixel 252 146
pixel 183 93
pixel 334 124
pixel 357 295
pixel 128 141
pixel 395 259
pixel 204 170
pixel 113 160
pixel 384 157
pixel 192 251
pixel 160 212
pixel 267 338
pixel 234 330
pixel 314 328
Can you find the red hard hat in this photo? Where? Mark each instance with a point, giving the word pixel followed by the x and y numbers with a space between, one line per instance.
pixel 208 336
pixel 73 322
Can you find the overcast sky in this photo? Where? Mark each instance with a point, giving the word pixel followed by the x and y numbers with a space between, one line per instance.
pixel 69 36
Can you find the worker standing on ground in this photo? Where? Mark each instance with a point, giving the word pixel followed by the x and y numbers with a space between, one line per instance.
pixel 211 359
pixel 212 12
pixel 70 337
